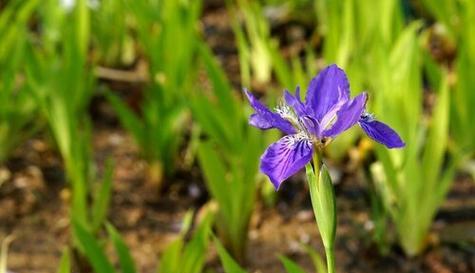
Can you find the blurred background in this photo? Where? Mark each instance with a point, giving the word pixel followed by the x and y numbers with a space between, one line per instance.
pixel 125 146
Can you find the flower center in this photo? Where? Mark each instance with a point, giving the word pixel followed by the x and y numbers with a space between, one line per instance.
pixel 287 113
pixel 304 125
pixel 368 117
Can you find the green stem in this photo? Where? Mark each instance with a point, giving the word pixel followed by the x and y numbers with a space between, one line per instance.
pixel 330 255
pixel 316 162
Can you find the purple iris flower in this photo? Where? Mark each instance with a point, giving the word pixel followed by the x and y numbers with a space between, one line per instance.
pixel 327 111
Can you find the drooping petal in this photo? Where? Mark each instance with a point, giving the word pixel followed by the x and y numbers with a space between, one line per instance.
pixel 381 133
pixel 285 157
pixel 347 116
pixel 325 90
pixel 265 118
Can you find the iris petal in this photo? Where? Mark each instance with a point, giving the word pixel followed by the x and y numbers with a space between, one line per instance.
pixel 285 157
pixel 294 102
pixel 347 116
pixel 328 88
pixel 381 133
pixel 264 118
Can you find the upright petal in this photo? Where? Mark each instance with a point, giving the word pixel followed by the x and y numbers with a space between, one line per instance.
pixel 265 118
pixel 347 116
pixel 325 90
pixel 285 157
pixel 381 133
pixel 294 102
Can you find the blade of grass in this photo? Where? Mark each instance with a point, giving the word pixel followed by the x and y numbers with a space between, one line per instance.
pixel 125 259
pixel 100 206
pixel 65 262
pixel 290 266
pixel 4 253
pixel 92 249
pixel 229 264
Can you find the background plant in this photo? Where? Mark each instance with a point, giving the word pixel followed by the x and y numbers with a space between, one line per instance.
pixel 162 27
pixel 114 46
pixel 231 266
pixel 407 174
pixel 228 156
pixel 62 86
pixel 453 27
pixel 181 256
pixel 17 110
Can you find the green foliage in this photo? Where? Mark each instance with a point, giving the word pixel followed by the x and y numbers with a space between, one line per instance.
pixel 92 249
pixel 464 95
pixel 62 87
pixel 125 259
pixel 113 46
pixel 229 264
pixel 17 110
pixel 101 200
pixel 253 42
pixel 65 262
pixel 190 257
pixel 447 14
pixel 291 266
pixel 259 53
pixel 404 175
pixel 228 157
pixel 317 260
pixel 181 256
pixel 167 35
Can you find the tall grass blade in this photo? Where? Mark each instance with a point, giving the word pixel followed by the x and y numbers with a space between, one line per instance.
pixel 92 249
pixel 125 259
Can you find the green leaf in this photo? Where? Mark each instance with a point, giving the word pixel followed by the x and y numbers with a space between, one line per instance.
pixel 128 119
pixel 215 174
pixel 125 259
pixel 92 249
pixel 291 266
pixel 171 257
pixel 437 136
pixel 229 264
pixel 194 254
pixel 317 260
pixel 82 25
pixel 102 199
pixel 221 86
pixel 65 262
pixel 187 258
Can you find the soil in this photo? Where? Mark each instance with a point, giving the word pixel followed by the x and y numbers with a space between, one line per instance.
pixel 34 201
